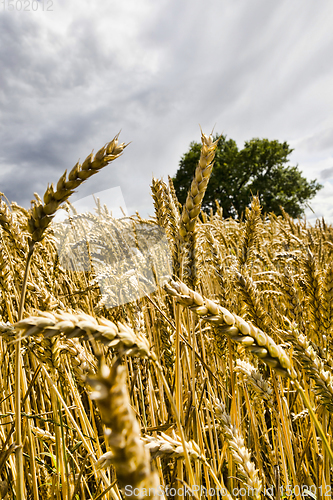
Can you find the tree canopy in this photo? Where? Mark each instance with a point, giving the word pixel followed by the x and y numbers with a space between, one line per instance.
pixel 260 168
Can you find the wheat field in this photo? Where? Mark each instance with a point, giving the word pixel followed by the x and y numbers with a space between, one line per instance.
pixel 185 355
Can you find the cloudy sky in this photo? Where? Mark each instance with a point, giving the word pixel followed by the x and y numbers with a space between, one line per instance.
pixel 73 76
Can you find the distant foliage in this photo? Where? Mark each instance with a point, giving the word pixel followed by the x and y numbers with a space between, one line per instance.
pixel 260 168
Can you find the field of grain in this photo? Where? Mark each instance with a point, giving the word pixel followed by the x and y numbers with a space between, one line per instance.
pixel 182 356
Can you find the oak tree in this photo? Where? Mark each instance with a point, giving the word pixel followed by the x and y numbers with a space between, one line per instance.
pixel 260 168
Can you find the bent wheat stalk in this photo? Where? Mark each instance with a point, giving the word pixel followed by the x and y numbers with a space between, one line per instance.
pixel 40 218
pixel 120 337
pixel 239 330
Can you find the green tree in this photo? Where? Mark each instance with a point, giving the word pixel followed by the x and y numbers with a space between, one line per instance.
pixel 260 168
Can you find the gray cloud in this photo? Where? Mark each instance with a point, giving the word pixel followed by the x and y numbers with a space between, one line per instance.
pixel 70 81
pixel 319 141
pixel 326 173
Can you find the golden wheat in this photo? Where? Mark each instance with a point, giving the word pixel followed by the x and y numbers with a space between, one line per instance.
pixel 184 399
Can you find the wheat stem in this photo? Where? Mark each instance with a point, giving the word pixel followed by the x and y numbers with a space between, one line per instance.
pixel 315 420
pixel 179 425
pixel 18 367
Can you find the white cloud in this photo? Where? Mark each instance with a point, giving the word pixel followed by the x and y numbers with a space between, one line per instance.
pixel 322 205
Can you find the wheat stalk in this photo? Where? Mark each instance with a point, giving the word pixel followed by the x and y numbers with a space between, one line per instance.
pixel 120 337
pixel 186 241
pixel 43 213
pixel 160 446
pixel 129 455
pixel 240 454
pixel 261 386
pixel 172 447
pixel 253 339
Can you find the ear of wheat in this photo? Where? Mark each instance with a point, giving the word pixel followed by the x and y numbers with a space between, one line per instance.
pixel 129 455
pixel 43 213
